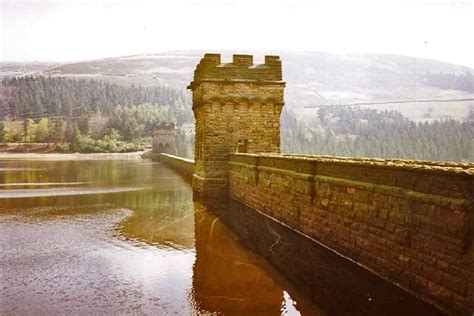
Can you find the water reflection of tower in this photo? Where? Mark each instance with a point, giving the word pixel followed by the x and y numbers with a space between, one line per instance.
pixel 226 277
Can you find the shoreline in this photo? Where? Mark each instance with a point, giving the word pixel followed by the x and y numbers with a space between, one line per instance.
pixel 70 156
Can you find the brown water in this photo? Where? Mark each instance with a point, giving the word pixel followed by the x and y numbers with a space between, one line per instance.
pixel 126 237
pixel 102 237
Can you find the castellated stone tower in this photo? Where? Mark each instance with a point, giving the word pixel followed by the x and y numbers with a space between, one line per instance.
pixel 237 107
pixel 164 138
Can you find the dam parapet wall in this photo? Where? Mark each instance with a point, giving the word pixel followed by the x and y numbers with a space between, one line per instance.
pixel 182 165
pixel 410 222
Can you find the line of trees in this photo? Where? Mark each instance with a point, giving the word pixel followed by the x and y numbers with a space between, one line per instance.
pixel 362 132
pixel 37 97
pixel 463 82
pixel 27 131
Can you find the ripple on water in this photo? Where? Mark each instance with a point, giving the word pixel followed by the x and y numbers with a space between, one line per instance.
pixel 33 184
pixel 11 194
pixel 19 169
pixel 89 270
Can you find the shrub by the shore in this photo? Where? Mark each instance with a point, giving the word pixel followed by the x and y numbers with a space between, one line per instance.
pixel 110 143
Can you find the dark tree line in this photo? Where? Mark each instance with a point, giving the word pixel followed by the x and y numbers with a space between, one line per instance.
pixel 463 82
pixel 360 132
pixel 37 97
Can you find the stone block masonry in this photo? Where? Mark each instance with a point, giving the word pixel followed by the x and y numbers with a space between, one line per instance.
pixel 409 222
pixel 234 103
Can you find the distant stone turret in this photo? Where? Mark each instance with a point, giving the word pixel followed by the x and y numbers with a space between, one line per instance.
pixel 237 107
pixel 164 138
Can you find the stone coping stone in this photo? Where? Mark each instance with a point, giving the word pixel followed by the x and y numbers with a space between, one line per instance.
pixel 289 161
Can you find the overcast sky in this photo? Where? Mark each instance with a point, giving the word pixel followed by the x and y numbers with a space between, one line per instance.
pixel 86 29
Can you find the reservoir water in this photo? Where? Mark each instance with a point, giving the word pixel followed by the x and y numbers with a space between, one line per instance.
pixel 118 236
pixel 126 237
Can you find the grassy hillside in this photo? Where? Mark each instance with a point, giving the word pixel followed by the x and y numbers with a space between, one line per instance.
pixel 16 68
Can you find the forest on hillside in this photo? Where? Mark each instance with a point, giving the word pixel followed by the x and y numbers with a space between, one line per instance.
pixel 352 131
pixel 461 82
pixel 90 115
pixel 97 116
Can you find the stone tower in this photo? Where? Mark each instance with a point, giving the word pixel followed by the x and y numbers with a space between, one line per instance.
pixel 164 138
pixel 237 107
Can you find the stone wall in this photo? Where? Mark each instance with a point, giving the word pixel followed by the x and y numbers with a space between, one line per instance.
pixel 182 165
pixel 409 222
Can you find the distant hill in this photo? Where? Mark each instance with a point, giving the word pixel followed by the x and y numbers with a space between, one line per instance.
pixel 17 68
pixel 313 78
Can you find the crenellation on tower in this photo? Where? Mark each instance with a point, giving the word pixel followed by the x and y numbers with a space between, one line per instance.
pixel 242 68
pixel 237 107
pixel 242 60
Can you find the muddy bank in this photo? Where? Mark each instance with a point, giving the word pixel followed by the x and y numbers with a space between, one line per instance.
pixel 29 147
